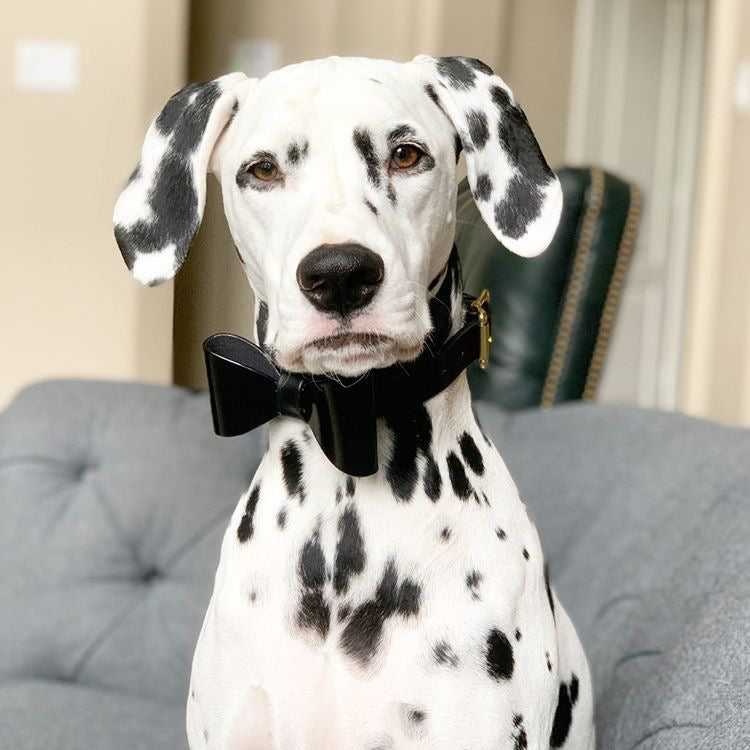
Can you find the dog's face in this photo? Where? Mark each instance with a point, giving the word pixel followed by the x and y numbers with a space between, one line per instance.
pixel 338 179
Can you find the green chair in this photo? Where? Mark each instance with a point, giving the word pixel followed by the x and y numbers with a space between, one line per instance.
pixel 552 316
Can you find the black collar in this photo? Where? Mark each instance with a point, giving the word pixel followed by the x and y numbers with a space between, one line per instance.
pixel 248 390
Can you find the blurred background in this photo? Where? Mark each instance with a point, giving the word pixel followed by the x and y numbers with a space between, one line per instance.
pixel 656 91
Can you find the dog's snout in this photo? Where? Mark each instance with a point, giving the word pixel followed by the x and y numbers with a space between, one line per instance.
pixel 340 278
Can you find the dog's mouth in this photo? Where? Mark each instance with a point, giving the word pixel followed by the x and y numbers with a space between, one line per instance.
pixel 350 353
pixel 345 339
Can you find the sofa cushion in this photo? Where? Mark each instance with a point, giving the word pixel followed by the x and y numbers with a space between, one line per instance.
pixel 114 501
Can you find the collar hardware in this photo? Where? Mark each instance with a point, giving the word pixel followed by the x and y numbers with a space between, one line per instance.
pixel 482 306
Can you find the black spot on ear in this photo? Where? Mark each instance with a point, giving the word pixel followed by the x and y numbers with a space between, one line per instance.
pixel 457 475
pixel 471 453
pixel 314 611
pixel 261 324
pixel 371 207
pixel 443 653
pixel 364 145
pixel 478 65
pixel 566 700
pixel 245 529
pixel 523 199
pixel 174 207
pixel 432 480
pixel 186 114
pixel 518 141
pixel 499 656
pixel 361 637
pixel 521 205
pixel 482 190
pixel 350 551
pixel 473 582
pixel 478 128
pixel 458 74
pixel 549 591
pixel 291 464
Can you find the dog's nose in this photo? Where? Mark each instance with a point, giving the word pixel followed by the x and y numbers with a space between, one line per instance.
pixel 340 278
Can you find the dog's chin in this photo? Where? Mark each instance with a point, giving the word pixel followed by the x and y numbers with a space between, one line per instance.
pixel 349 354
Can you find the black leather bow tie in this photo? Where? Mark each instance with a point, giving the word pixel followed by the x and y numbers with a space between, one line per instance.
pixel 248 390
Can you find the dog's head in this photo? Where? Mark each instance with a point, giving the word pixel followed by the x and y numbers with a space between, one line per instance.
pixel 338 179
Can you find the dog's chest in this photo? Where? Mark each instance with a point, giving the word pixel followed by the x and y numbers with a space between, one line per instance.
pixel 372 599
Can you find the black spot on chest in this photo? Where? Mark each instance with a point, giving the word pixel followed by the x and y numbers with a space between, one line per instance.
pixel 350 551
pixel 566 700
pixel 443 653
pixel 291 465
pixel 412 436
pixel 245 529
pixel 520 740
pixel 473 583
pixel 471 453
pixel 457 475
pixel 363 633
pixel 314 611
pixel 499 656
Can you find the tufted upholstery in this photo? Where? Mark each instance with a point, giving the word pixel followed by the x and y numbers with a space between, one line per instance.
pixel 114 497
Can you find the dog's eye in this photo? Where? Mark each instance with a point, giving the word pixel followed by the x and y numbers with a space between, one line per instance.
pixel 266 171
pixel 405 156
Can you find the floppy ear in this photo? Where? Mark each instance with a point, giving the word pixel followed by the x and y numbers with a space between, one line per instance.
pixel 517 193
pixel 160 209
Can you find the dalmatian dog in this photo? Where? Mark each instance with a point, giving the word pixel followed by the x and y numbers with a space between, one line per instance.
pixel 410 608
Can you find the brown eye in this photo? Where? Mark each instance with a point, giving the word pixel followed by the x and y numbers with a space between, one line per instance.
pixel 405 156
pixel 264 170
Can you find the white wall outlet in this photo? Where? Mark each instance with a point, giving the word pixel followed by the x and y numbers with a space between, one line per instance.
pixel 46 66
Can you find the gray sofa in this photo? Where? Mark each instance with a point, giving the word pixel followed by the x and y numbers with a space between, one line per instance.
pixel 114 498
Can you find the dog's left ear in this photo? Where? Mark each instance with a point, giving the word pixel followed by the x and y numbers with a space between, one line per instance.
pixel 517 193
pixel 160 209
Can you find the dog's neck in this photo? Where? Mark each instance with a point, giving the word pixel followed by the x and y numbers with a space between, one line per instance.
pixel 405 443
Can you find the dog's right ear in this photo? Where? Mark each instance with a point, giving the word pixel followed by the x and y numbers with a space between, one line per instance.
pixel 160 209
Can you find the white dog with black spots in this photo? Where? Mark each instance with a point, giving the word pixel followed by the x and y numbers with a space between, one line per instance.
pixel 411 608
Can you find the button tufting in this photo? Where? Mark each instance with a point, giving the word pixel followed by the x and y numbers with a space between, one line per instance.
pixel 150 575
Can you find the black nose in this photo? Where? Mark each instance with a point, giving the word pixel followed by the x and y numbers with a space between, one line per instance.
pixel 340 278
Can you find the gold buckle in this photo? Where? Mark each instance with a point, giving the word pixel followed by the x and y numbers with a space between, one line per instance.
pixel 485 327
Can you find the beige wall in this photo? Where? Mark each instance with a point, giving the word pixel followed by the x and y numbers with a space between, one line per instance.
pixel 529 42
pixel 68 307
pixel 717 362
